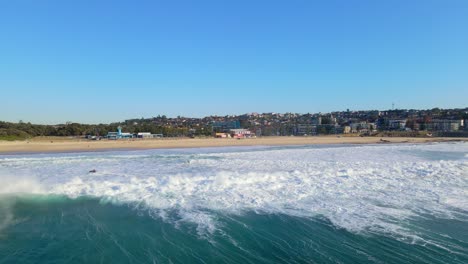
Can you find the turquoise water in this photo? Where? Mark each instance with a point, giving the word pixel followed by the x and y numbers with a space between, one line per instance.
pixel 350 204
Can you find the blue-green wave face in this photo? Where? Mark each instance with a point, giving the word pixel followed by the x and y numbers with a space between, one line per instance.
pixel 341 204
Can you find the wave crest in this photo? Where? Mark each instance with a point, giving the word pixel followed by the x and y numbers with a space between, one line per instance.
pixel 361 189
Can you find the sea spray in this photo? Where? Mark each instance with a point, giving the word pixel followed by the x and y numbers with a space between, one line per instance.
pixel 6 215
pixel 10 187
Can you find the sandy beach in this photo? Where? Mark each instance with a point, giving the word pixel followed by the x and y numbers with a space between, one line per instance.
pixel 58 144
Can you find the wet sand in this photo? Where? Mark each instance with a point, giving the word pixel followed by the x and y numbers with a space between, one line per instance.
pixel 65 144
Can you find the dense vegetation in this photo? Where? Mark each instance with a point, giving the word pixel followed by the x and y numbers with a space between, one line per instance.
pixel 21 130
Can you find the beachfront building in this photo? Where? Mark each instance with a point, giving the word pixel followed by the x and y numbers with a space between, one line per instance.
pixel 305 130
pixel 329 129
pixel 148 135
pixel 112 135
pixel 361 127
pixel 395 124
pixel 119 134
pixel 240 133
pixel 445 125
pixel 144 135
pixel 222 135
pixel 346 129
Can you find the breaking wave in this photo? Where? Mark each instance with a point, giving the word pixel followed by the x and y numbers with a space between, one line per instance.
pixel 363 189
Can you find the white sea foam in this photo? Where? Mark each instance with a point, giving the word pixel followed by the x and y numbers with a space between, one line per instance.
pixel 373 188
pixel 11 183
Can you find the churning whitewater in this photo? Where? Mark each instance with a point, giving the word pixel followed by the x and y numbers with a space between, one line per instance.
pixel 394 193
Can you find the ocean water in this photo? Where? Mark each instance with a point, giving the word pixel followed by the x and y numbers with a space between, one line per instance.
pixel 308 204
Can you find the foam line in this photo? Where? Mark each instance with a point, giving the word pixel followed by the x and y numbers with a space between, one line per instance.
pixel 360 188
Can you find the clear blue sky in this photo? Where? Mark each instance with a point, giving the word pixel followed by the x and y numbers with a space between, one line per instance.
pixel 101 61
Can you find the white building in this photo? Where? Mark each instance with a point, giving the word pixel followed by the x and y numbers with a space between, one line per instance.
pixel 148 135
pixel 240 133
pixel 445 125
pixel 397 123
pixel 144 135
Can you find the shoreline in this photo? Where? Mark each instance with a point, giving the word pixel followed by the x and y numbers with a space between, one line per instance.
pixel 67 145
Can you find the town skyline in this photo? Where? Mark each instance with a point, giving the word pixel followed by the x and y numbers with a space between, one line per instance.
pixel 397 122
pixel 162 114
